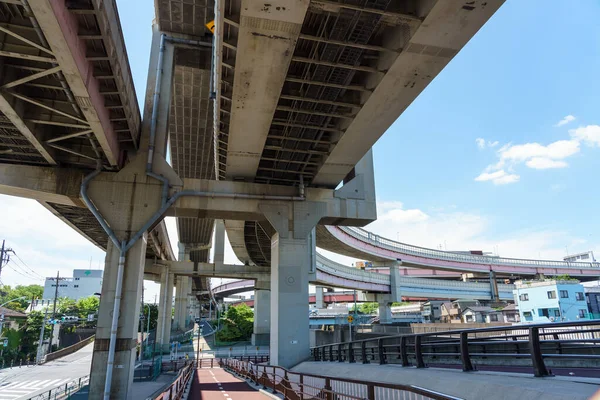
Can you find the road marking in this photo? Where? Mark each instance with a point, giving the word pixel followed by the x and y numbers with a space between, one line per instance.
pixel 23 389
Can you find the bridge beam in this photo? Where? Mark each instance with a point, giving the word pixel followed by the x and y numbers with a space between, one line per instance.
pixel 60 28
pixel 266 41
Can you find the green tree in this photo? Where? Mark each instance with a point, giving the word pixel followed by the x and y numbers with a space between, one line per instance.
pixel 403 303
pixel 365 308
pixel 87 305
pixel 153 316
pixel 237 324
pixel 28 293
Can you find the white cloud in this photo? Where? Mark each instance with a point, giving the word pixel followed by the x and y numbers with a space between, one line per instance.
pixel 589 134
pixel 482 144
pixel 565 120
pixel 500 177
pixel 545 163
pixel 43 242
pixel 534 155
pixel 556 151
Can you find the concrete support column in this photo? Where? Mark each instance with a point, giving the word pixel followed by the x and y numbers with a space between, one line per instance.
pixel 319 301
pixel 182 292
pixel 494 287
pixel 165 306
pixel 128 321
pixel 385 309
pixel 219 254
pixel 261 334
pixel 290 267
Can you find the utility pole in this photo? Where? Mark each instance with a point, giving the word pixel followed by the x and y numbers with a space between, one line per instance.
pixel 4 256
pixel 40 352
pixel 54 311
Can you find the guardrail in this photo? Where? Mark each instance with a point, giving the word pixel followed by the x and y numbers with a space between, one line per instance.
pixel 295 385
pixel 329 266
pixel 63 391
pixel 369 237
pixel 176 389
pixel 539 346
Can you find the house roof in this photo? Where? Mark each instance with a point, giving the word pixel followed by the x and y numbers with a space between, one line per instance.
pixel 8 313
pixel 482 309
pixel 510 307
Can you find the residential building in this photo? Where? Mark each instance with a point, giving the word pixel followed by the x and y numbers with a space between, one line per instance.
pixel 431 311
pixel 451 311
pixel 510 314
pixel 550 300
pixel 84 283
pixel 481 314
pixel 11 319
pixel 592 297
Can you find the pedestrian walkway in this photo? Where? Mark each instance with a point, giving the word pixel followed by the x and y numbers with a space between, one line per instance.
pixel 217 384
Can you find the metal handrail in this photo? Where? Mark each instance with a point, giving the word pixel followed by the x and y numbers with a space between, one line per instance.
pixel 369 237
pixel 63 391
pixel 536 341
pixel 294 385
pixel 176 389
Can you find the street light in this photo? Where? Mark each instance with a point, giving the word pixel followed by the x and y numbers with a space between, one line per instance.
pixel 10 301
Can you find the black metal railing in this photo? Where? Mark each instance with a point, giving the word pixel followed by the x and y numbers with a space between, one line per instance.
pixel 539 347
pixel 300 386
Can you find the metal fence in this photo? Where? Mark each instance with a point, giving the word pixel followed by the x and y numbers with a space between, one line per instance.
pixel 63 391
pixel 299 386
pixel 176 389
pixel 539 347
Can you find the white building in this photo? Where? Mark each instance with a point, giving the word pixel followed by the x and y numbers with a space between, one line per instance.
pixel 84 283
pixel 588 256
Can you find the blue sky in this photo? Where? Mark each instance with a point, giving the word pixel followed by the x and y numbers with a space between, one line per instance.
pixel 532 65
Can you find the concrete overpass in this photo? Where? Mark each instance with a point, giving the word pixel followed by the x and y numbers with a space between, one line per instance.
pixel 300 92
pixel 359 243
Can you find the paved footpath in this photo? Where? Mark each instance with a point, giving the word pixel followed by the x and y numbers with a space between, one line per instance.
pixel 217 384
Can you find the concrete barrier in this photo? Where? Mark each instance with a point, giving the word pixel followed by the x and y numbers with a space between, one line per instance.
pixel 68 350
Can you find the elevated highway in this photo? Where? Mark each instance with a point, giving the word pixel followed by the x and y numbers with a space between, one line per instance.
pixel 359 243
pixel 330 273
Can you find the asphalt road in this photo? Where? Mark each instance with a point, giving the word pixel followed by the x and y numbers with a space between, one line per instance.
pixel 25 382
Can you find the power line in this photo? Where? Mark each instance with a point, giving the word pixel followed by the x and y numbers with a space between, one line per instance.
pixel 23 273
pixel 28 267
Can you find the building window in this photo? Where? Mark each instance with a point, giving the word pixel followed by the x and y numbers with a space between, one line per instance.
pixel 557 313
pixel 564 294
pixel 76 279
pixel 524 297
pixel 469 318
pixel 582 313
pixel 552 294
pixel 75 285
pixel 579 296
pixel 494 317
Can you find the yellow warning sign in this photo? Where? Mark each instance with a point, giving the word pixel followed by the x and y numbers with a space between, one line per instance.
pixel 350 319
pixel 211 26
